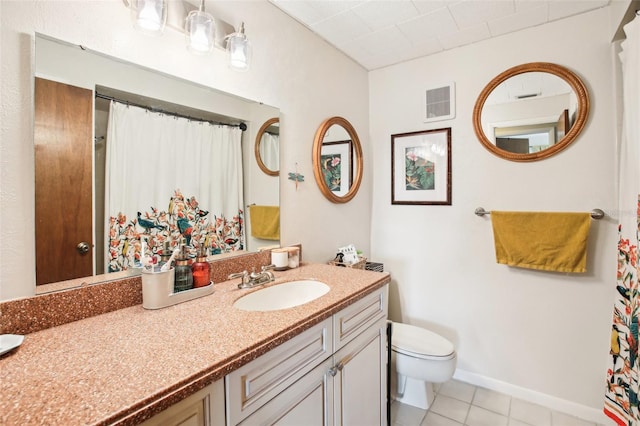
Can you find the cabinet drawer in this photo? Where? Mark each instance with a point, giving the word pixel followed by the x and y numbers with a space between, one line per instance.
pixel 257 382
pixel 355 318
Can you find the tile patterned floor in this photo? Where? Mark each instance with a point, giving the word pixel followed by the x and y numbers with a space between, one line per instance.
pixel 461 404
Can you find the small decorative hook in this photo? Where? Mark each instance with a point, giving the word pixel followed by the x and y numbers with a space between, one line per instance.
pixel 296 177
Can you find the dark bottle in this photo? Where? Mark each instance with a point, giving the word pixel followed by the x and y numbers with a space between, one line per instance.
pixel 184 276
pixel 201 269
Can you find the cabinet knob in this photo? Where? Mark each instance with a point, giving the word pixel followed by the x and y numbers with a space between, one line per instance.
pixel 338 367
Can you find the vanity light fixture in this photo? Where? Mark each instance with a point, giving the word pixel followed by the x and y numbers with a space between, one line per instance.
pixel 239 50
pixel 200 30
pixel 149 16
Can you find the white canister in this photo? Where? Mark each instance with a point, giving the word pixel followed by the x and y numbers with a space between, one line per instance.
pixel 280 258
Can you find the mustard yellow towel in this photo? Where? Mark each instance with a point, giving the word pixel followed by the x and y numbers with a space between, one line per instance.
pixel 265 222
pixel 546 241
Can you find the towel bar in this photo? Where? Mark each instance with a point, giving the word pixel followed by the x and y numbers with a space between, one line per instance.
pixel 595 213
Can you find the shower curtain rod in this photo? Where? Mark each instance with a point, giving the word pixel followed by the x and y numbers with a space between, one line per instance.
pixel 595 213
pixel 242 126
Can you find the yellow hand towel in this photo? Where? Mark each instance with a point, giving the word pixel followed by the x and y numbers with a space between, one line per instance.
pixel 545 241
pixel 265 222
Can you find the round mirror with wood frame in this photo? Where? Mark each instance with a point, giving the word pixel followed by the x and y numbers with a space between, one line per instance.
pixel 259 136
pixel 354 166
pixel 575 122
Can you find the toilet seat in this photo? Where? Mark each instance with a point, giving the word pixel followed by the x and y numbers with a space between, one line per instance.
pixel 420 343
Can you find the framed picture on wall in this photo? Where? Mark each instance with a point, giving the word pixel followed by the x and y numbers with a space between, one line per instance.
pixel 336 160
pixel 421 167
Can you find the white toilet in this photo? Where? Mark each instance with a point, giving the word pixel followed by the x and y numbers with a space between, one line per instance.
pixel 419 358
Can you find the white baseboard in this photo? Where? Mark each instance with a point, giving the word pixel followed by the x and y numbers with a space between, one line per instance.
pixel 554 403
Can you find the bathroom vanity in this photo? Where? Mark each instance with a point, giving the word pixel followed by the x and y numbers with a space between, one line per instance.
pixel 206 362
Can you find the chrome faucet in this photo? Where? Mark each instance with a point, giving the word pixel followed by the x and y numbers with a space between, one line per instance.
pixel 253 279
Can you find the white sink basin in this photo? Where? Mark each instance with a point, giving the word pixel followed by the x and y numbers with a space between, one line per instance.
pixel 282 296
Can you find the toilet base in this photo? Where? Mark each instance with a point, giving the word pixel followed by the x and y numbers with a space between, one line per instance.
pixel 413 392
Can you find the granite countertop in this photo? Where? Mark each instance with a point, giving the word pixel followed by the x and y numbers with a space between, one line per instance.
pixel 124 366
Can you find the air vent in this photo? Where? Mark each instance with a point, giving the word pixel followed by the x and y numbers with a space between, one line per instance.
pixel 440 103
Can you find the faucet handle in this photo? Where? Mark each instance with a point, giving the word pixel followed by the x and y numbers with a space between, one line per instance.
pixel 268 267
pixel 244 275
pixel 266 270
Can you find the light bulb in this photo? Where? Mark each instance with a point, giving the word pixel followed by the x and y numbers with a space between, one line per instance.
pixel 200 31
pixel 149 16
pixel 239 50
pixel 238 55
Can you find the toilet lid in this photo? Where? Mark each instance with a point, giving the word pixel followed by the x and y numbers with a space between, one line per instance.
pixel 419 342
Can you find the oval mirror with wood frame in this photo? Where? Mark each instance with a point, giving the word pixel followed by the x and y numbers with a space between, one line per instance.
pixel 337 160
pixel 531 111
pixel 267 147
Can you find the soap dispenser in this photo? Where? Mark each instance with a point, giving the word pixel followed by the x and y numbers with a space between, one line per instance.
pixel 201 269
pixel 165 256
pixel 184 275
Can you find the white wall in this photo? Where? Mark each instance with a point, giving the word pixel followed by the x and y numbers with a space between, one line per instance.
pixel 291 69
pixel 543 336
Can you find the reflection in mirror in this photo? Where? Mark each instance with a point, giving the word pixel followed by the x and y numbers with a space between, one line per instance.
pixel 337 160
pixel 267 148
pixel 531 111
pixel 112 242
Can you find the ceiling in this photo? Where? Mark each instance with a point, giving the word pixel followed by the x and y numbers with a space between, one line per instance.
pixel 378 33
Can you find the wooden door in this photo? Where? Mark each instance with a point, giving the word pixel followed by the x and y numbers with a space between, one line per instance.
pixel 63 178
pixel 563 126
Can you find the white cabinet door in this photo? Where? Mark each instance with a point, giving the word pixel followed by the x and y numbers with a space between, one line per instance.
pixel 360 380
pixel 308 402
pixel 261 380
pixel 203 408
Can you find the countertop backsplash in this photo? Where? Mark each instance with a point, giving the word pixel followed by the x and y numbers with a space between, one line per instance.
pixel 31 314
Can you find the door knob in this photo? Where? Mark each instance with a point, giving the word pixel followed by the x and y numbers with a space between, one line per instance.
pixel 82 247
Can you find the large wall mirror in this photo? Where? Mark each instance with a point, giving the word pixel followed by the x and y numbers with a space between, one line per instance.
pixel 267 147
pixel 64 75
pixel 337 160
pixel 531 111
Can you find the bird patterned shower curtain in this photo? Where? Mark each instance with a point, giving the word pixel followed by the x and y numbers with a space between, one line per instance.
pixel 623 376
pixel 170 179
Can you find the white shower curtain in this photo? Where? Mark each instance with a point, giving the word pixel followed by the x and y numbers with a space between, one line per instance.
pixel 170 169
pixel 623 376
pixel 270 151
